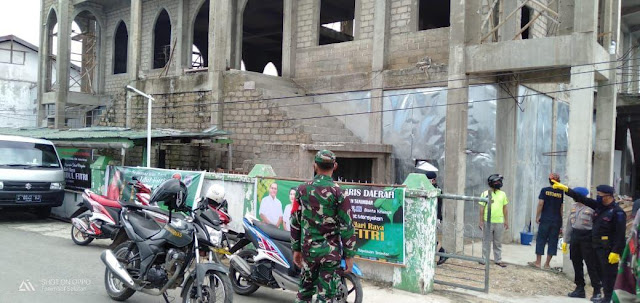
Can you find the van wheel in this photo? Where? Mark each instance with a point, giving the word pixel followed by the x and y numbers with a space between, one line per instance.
pixel 42 212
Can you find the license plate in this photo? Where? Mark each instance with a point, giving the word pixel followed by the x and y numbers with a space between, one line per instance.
pixel 28 198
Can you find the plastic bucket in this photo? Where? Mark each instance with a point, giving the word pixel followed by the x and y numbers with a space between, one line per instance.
pixel 526 238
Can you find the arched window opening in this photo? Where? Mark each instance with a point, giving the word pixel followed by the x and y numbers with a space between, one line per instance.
pixel 85 33
pixel 201 37
pixel 162 40
pixel 270 69
pixel 197 58
pixel 262 34
pixel 120 49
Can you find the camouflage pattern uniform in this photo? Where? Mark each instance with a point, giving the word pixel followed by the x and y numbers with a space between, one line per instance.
pixel 322 229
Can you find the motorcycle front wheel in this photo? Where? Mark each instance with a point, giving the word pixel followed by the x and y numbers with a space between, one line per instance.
pixel 215 288
pixel 129 259
pixel 241 285
pixel 350 289
pixel 77 235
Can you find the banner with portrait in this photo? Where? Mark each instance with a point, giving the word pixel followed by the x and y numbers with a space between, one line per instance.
pixel 377 212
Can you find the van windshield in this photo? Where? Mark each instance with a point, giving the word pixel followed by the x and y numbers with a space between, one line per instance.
pixel 24 154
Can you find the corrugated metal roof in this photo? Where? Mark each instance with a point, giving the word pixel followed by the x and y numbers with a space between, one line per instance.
pixel 105 134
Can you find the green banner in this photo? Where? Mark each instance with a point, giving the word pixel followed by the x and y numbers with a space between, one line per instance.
pixel 120 178
pixel 377 215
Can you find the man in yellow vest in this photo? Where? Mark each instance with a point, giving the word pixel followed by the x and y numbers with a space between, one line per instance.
pixel 498 220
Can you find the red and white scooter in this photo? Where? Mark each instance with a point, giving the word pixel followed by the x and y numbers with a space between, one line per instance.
pixel 103 216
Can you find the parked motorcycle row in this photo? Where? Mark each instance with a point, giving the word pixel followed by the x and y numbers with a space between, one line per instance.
pixel 193 249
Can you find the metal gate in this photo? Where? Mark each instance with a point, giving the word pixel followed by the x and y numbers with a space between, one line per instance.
pixel 467 269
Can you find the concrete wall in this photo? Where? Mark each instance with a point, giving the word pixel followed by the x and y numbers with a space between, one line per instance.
pixel 406 49
pixel 18 85
pixel 334 59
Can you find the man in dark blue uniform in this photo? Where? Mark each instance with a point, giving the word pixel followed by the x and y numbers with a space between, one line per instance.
pixel 608 233
pixel 549 218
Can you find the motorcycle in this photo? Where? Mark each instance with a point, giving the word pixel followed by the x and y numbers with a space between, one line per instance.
pixel 271 264
pixel 216 201
pixel 102 219
pixel 152 258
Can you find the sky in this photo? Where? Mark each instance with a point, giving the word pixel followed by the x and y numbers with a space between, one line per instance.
pixel 20 18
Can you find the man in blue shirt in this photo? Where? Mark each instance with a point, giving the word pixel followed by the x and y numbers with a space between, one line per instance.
pixel 549 218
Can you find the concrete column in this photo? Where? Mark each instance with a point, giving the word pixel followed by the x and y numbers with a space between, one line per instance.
pixel 219 20
pixel 605 128
pixel 182 55
pixel 289 38
pixel 420 237
pixel 378 64
pixel 585 17
pixel 315 23
pixel 42 63
pixel 506 130
pixel 566 10
pixel 606 101
pixel 634 70
pixel 627 70
pixel 219 25
pixel 63 63
pixel 239 24
pixel 579 150
pixel 135 40
pixel 456 135
pixel 357 20
pixel 512 25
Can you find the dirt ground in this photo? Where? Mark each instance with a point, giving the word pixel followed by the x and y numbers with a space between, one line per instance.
pixel 512 281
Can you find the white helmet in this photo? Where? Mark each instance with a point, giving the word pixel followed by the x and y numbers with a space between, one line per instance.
pixel 216 193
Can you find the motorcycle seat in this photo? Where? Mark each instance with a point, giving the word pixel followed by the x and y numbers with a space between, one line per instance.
pixel 142 226
pixel 154 209
pixel 273 232
pixel 105 201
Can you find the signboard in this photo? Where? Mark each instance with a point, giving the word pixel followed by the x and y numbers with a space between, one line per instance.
pixel 377 212
pixel 77 167
pixel 120 177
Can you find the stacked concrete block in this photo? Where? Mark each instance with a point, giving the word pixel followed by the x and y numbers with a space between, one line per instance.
pixel 405 50
pixel 401 20
pixel 366 19
pixel 307 32
pixel 334 59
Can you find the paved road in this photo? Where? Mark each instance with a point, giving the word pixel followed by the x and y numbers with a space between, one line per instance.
pixel 40 253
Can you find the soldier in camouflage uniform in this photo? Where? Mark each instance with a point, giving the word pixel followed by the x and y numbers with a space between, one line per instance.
pixel 322 232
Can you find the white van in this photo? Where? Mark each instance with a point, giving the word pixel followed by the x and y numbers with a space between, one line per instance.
pixel 31 175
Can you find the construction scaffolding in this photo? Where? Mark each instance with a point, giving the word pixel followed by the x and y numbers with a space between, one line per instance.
pixel 87 62
pixel 494 18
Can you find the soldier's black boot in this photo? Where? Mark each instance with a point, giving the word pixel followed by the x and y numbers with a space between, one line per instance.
pixel 596 295
pixel 578 292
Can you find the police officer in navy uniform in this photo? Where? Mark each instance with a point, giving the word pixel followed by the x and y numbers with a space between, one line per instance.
pixel 608 232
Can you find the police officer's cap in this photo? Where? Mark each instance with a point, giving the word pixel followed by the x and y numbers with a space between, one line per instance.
pixel 325 156
pixel 606 189
pixel 583 191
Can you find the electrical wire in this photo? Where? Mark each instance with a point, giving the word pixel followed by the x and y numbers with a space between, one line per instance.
pixel 227 123
pixel 166 107
pixel 442 89
pixel 362 98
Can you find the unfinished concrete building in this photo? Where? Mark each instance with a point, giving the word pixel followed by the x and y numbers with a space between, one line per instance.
pixel 497 85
